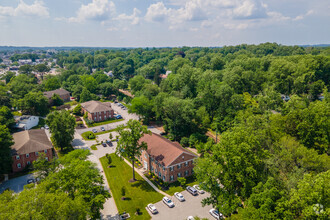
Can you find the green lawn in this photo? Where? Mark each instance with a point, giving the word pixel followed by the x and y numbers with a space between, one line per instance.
pixel 94 146
pixel 84 135
pixel 139 194
pixel 109 121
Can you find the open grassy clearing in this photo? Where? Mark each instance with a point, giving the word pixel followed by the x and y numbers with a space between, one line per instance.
pixel 139 194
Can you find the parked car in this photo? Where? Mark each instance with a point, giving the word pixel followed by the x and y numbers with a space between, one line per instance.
pixel 94 131
pixel 152 208
pixel 109 143
pixel 162 133
pixel 179 196
pixel 168 202
pixel 124 108
pixel 215 213
pixel 192 190
pixel 199 190
pixel 104 144
pixel 118 117
pixel 190 218
pixel 102 129
pixel 46 127
pixel 30 181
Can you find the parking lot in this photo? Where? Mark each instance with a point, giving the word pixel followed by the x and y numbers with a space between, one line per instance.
pixel 124 113
pixel 191 207
pixel 16 184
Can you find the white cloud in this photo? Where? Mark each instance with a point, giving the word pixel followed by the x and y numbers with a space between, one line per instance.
pixel 23 9
pixel 133 18
pixel 96 10
pixel 157 12
pixel 230 14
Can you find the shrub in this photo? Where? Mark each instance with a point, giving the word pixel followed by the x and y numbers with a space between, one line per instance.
pixel 184 142
pixel 77 110
pixel 182 181
pixel 123 191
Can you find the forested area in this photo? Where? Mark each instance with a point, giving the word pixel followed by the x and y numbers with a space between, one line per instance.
pixel 268 103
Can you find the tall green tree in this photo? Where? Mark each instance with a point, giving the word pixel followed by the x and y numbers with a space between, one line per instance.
pixel 5 150
pixel 85 95
pixel 128 143
pixel 62 127
pixel 52 83
pixel 34 103
pixel 6 117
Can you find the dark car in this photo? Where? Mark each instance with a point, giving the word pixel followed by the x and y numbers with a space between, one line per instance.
pixel 104 144
pixel 94 130
pixel 102 129
pixel 192 190
pixel 109 143
pixel 118 117
pixel 30 181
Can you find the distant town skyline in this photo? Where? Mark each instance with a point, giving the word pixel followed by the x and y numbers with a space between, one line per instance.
pixel 168 23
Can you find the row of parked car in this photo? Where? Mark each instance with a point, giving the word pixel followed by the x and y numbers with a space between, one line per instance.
pixel 107 142
pixel 121 105
pixel 193 190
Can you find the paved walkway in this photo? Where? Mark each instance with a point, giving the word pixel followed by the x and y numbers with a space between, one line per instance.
pixel 109 210
pixel 146 179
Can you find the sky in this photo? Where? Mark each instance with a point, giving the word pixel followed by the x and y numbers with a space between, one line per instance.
pixel 167 23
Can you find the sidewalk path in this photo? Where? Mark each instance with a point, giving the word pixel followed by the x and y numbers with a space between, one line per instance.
pixel 146 179
pixel 109 210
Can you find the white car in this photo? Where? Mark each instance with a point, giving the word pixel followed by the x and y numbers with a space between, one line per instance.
pixel 168 202
pixel 200 191
pixel 152 208
pixel 190 218
pixel 179 196
pixel 215 213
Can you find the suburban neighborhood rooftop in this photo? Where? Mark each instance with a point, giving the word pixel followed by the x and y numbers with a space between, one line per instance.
pixel 166 151
pixel 30 141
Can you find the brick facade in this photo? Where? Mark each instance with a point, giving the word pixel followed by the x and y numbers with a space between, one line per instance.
pixel 99 116
pixel 181 167
pixel 26 159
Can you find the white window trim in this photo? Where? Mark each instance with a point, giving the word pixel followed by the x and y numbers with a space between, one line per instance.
pixel 17 157
pixel 27 155
pixel 19 165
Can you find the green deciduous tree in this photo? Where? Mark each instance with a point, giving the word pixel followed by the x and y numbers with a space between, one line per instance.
pixel 62 127
pixel 77 110
pixel 142 106
pixel 57 101
pixel 128 143
pixel 5 150
pixel 85 95
pixel 6 117
pixel 52 83
pixel 34 103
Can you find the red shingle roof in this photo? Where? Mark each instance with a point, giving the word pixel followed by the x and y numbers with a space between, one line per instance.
pixel 165 151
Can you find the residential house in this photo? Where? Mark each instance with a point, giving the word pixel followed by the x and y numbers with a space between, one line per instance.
pixel 97 111
pixel 166 159
pixel 26 122
pixel 28 145
pixel 65 95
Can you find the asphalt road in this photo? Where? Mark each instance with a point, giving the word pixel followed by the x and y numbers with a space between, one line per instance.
pixel 191 207
pixel 16 184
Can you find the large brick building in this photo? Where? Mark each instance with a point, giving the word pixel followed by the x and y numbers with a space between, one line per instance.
pixel 28 146
pixel 97 111
pixel 65 95
pixel 166 159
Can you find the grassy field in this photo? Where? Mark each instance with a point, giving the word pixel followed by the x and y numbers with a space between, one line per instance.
pixel 104 122
pixel 139 194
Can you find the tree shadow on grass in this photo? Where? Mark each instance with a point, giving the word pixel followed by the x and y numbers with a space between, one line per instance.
pixel 142 185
